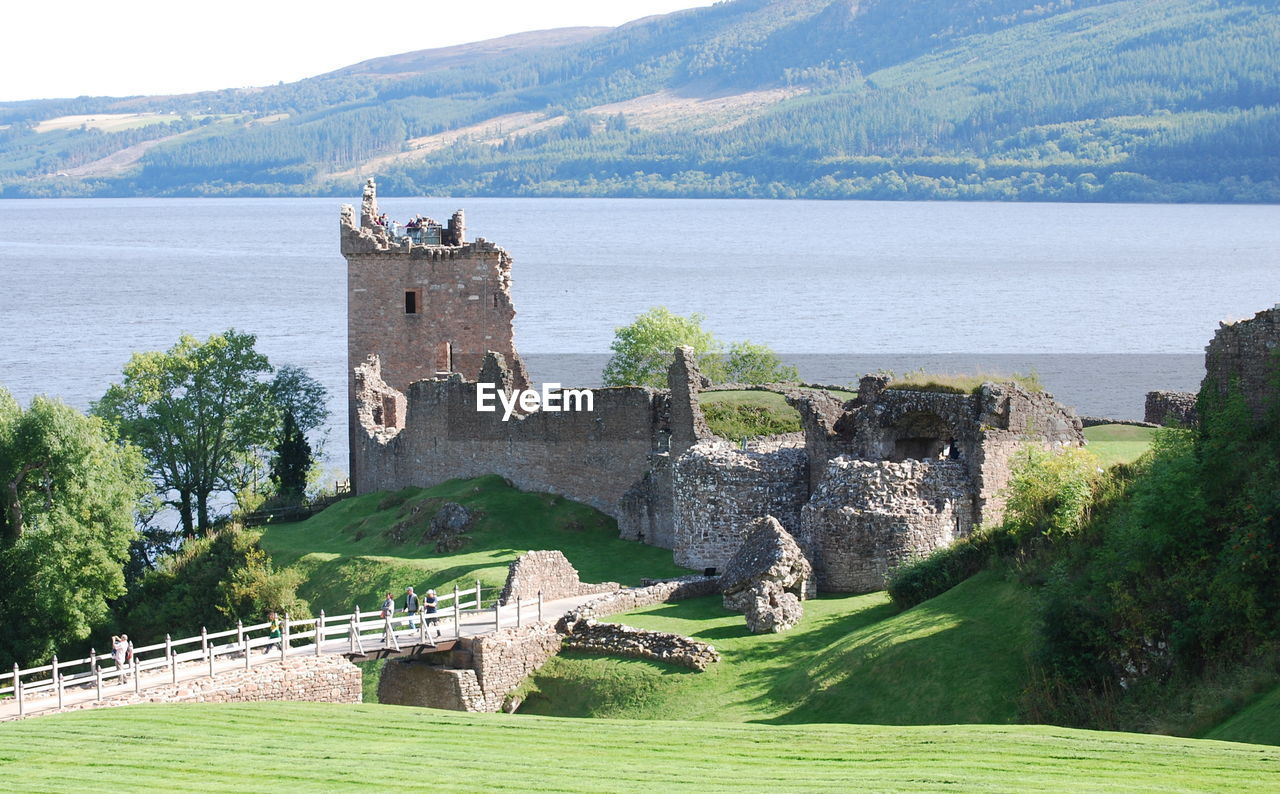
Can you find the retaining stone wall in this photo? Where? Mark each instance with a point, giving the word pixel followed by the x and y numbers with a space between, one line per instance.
pixel 320 679
pixel 549 573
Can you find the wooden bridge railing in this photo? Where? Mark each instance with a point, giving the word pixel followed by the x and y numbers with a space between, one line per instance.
pixel 356 633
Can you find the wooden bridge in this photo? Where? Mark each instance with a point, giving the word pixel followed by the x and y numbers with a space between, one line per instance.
pixel 358 636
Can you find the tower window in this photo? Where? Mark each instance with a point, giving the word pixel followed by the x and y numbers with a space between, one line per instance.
pixel 412 301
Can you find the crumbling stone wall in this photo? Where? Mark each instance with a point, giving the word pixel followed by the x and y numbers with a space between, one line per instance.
pixel 868 516
pixel 1246 354
pixel 593 457
pixel 549 573
pixel 645 513
pixel 615 639
pixel 981 431
pixel 504 658
pixel 319 679
pixel 1178 407
pixel 718 489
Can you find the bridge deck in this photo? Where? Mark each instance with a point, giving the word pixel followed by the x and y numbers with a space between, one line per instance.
pixel 471 624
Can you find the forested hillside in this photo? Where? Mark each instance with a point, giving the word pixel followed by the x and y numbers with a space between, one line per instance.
pixel 1147 100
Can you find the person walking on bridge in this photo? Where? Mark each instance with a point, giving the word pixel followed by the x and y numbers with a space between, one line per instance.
pixel 411 607
pixel 431 605
pixel 273 624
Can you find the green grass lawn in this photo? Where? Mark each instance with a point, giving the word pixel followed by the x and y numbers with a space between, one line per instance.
pixel 1258 723
pixel 957 658
pixel 347 558
pixel 1119 443
pixel 320 747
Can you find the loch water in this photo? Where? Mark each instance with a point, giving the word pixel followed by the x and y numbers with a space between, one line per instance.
pixel 1105 302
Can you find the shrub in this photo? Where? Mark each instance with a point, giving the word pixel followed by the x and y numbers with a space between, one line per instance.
pixel 1051 492
pixel 924 577
pixel 210 581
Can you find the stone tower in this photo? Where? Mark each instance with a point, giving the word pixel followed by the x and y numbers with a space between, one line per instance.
pixel 424 301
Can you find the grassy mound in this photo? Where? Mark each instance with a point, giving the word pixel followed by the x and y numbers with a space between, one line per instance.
pixel 739 414
pixel 960 383
pixel 1259 723
pixel 1119 443
pixel 320 747
pixel 957 658
pixel 349 556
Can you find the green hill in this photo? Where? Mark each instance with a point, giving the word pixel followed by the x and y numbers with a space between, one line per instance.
pixel 950 99
pixel 310 746
pixel 958 658
pixel 1258 723
pixel 349 558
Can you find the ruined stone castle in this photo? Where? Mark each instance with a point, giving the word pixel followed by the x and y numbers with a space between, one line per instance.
pixel 868 483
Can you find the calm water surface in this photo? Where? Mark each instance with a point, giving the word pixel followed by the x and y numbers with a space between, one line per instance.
pixel 1105 301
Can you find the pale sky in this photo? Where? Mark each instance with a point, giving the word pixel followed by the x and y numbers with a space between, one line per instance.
pixel 72 48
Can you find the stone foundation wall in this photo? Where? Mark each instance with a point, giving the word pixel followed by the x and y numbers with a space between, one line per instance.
pixel 410 682
pixel 1246 354
pixel 484 671
pixel 866 517
pixel 319 679
pixel 503 659
pixel 657 592
pixel 718 490
pixel 1163 407
pixel 549 573
pixel 614 639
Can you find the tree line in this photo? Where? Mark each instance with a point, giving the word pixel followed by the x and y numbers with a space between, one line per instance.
pixel 1020 98
pixel 87 502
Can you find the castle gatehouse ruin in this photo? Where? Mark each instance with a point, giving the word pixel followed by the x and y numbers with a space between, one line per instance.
pixel 869 482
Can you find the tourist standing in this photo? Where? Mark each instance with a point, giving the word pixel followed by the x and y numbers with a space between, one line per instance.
pixel 411 606
pixel 388 606
pixel 119 655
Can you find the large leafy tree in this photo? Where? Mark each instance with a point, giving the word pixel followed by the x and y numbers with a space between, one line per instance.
pixel 642 353
pixel 68 490
pixel 197 410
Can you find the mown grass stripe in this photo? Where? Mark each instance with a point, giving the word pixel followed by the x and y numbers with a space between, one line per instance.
pixel 286 746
